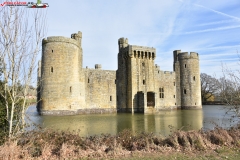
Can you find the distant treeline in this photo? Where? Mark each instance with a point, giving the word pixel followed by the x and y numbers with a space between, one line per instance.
pixel 213 103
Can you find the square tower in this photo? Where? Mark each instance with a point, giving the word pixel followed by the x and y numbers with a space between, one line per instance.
pixel 135 77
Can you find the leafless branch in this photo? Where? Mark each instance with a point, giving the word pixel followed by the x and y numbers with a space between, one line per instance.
pixel 22 30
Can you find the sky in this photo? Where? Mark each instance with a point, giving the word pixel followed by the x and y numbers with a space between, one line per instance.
pixel 209 27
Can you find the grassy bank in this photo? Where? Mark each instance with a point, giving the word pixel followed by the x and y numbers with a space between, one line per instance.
pixel 48 144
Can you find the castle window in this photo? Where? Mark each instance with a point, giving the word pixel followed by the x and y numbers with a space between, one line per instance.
pixel 153 55
pixel 174 83
pixel 194 78
pixel 143 64
pixel 175 103
pixel 195 103
pixel 88 80
pixel 142 54
pixel 135 54
pixel 185 91
pixel 71 89
pixel 115 81
pixel 149 55
pixel 145 54
pixel 173 96
pixel 138 54
pixel 158 71
pixel 52 69
pixel 52 51
pixel 161 94
pixel 110 98
pixel 143 81
pixel 161 90
pixel 185 66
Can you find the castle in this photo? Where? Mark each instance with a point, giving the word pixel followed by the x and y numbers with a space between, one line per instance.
pixel 138 85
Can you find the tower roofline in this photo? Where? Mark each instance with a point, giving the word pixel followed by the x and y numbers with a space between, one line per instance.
pixel 186 55
pixel 60 39
pixel 142 48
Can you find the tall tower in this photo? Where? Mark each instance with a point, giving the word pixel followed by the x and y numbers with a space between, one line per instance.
pixel 176 69
pixel 135 77
pixel 62 86
pixel 188 88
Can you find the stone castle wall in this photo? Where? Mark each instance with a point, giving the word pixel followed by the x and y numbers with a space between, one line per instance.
pixel 165 90
pixel 137 86
pixel 100 88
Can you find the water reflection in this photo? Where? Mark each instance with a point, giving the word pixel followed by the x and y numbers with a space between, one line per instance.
pixel 87 124
pixel 160 123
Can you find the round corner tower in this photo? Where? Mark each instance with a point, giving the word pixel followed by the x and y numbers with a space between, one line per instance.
pixel 62 84
pixel 190 87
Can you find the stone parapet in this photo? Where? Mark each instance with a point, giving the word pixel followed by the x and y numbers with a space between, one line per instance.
pixel 186 55
pixel 194 55
pixel 60 39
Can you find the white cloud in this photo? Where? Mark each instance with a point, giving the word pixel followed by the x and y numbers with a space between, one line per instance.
pixel 212 29
pixel 209 27
pixel 218 12
pixel 216 22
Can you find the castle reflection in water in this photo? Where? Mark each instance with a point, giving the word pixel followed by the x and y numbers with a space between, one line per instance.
pixel 161 123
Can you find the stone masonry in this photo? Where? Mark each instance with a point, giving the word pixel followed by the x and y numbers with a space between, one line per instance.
pixel 65 87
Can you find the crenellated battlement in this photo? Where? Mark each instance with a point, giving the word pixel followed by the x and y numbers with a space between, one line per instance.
pixel 186 55
pixel 194 55
pixel 98 66
pixel 122 42
pixel 77 36
pixel 75 39
pixel 139 52
pixel 183 55
pixel 143 48
pixel 60 39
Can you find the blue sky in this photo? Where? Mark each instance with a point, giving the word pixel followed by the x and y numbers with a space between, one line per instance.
pixel 211 28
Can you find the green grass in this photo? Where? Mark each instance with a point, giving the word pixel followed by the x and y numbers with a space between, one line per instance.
pixel 31 101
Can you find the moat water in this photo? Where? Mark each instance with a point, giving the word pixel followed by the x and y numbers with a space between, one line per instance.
pixel 160 123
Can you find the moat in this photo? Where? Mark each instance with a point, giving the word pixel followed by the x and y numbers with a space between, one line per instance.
pixel 160 123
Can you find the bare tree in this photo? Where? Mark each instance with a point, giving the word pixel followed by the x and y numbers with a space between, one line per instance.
pixel 209 86
pixel 21 32
pixel 230 89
